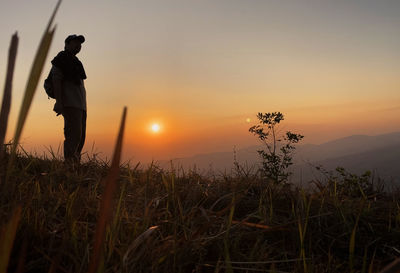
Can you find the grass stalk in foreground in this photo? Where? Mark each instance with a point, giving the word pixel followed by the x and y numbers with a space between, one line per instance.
pixel 393 267
pixel 7 94
pixel 7 239
pixel 106 206
pixel 8 234
pixel 33 79
pixel 228 263
pixel 352 244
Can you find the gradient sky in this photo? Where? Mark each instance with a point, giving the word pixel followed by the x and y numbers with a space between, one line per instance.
pixel 202 68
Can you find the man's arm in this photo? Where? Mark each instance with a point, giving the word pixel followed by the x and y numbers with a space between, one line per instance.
pixel 57 78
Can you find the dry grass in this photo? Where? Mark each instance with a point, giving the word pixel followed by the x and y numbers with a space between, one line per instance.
pixel 169 221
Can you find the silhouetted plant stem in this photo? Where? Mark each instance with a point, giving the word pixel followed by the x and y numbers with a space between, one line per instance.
pixel 7 94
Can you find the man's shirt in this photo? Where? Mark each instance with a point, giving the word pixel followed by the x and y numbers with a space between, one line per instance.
pixel 73 95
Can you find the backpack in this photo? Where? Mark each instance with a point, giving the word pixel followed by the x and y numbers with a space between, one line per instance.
pixel 48 86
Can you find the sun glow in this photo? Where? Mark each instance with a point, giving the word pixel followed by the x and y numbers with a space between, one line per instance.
pixel 155 128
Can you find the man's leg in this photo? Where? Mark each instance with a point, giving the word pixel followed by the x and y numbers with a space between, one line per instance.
pixel 83 134
pixel 72 132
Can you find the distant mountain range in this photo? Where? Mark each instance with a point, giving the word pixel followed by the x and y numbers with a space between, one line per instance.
pixel 357 154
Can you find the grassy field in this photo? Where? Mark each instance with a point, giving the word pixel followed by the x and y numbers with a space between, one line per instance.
pixel 176 221
pixel 102 217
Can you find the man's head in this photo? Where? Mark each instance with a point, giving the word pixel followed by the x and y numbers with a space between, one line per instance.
pixel 73 43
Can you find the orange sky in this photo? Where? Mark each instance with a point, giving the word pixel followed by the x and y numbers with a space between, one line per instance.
pixel 200 69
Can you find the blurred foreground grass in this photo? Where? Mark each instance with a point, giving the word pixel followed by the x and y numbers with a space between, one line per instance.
pixel 176 221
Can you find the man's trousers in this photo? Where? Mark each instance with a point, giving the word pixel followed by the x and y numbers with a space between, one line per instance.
pixel 74 133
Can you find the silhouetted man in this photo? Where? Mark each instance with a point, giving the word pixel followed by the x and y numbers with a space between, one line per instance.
pixel 70 94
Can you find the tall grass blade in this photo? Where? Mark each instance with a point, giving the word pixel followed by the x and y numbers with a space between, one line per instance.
pixel 115 223
pixel 33 79
pixel 393 267
pixel 352 244
pixel 107 200
pixel 137 242
pixel 22 257
pixel 7 239
pixel 6 103
pixel 229 268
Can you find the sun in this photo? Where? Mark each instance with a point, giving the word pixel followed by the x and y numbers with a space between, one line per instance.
pixel 155 127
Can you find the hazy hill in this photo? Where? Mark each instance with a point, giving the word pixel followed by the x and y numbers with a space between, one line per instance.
pixel 384 162
pixel 347 146
pixel 356 153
